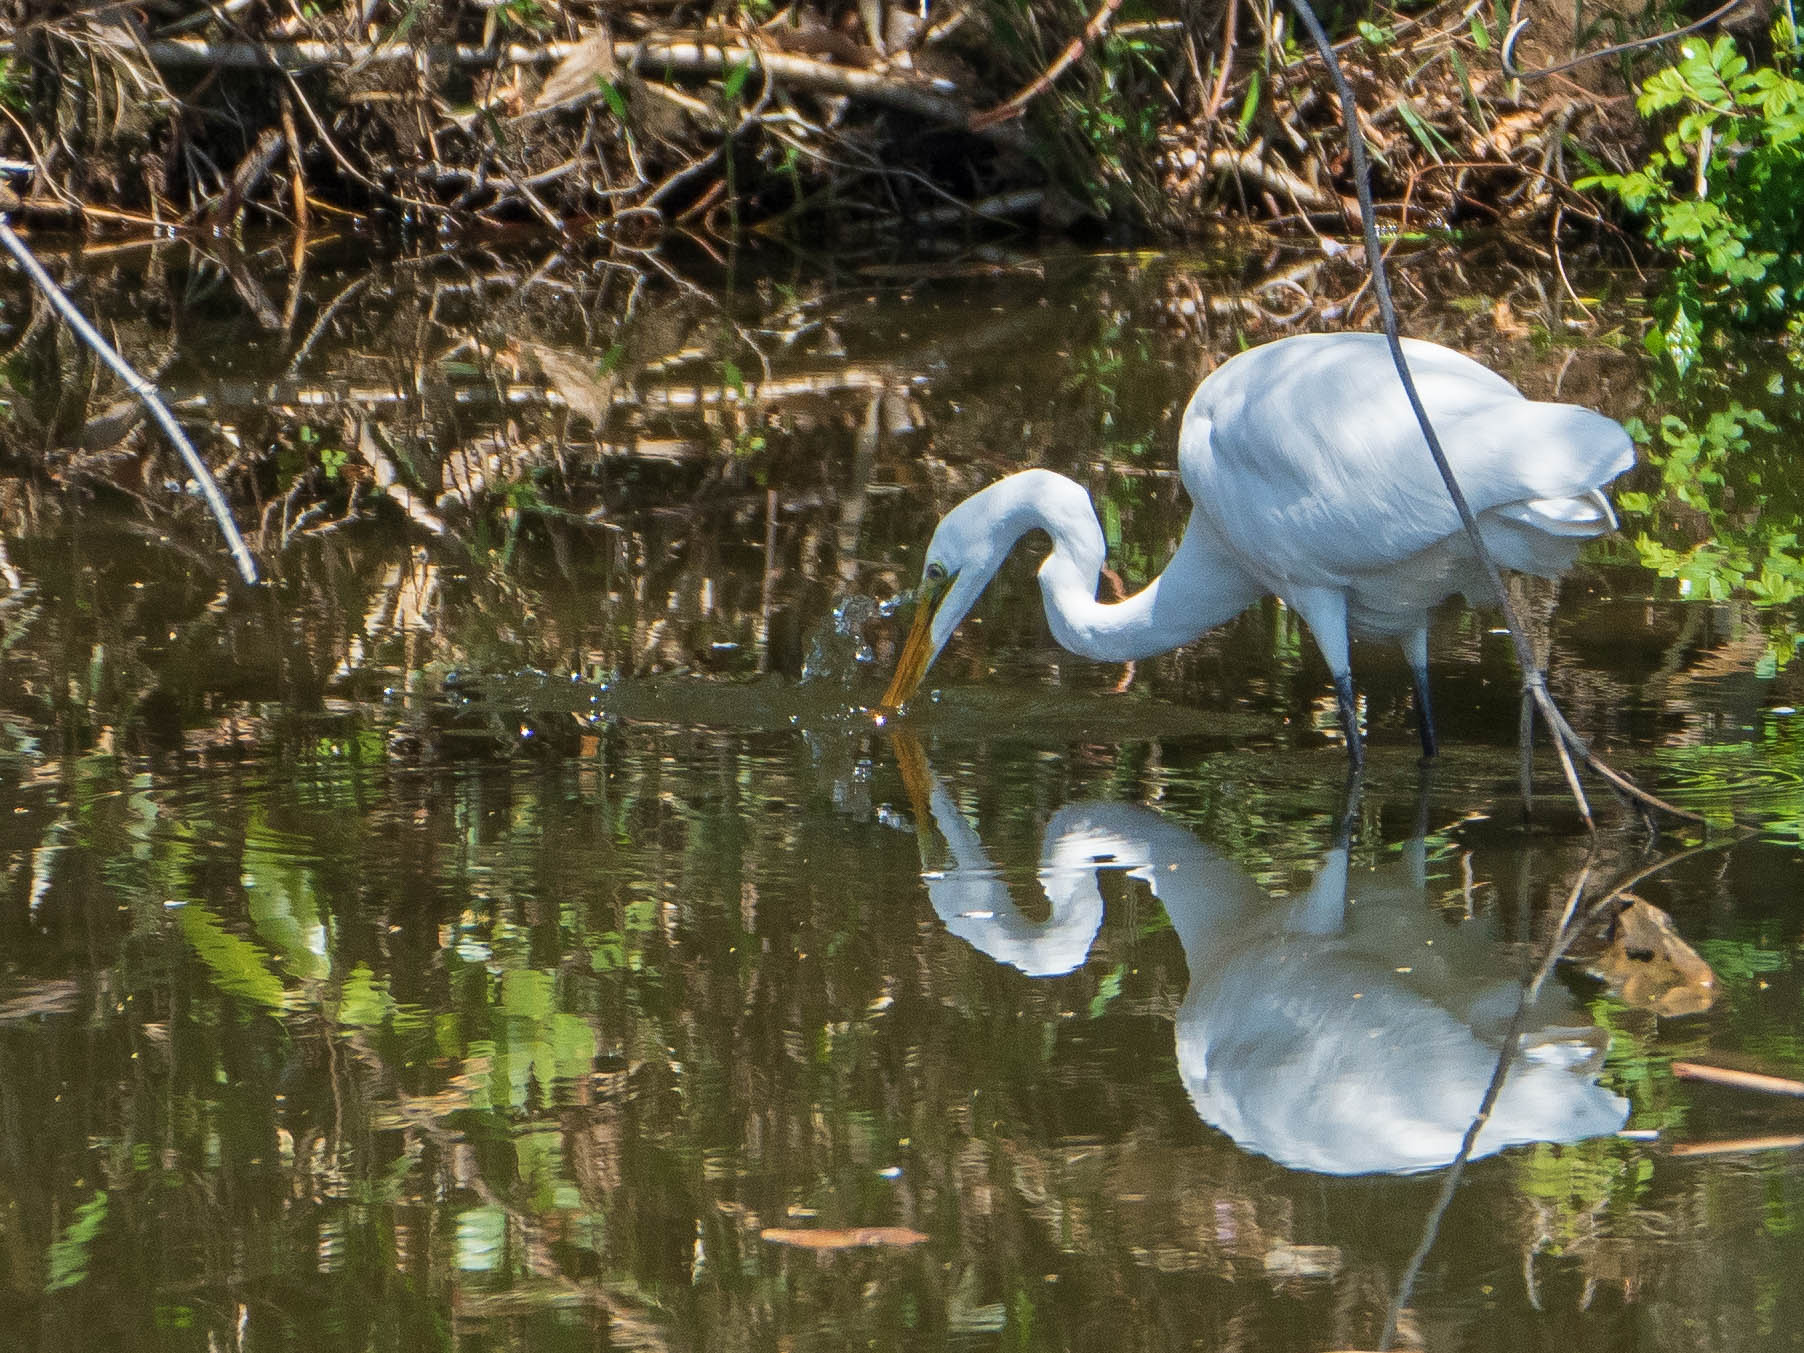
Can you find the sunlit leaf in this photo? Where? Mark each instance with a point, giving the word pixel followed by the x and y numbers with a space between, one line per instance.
pixel 734 82
pixel 239 967
pixel 67 1264
pixel 279 897
pixel 526 993
pixel 481 1239
pixel 615 100
pixel 364 1002
pixel 1107 990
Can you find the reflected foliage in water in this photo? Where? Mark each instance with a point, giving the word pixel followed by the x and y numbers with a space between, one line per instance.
pixel 480 937
pixel 332 1048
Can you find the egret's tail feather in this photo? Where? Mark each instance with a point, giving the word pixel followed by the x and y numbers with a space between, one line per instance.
pixel 1582 514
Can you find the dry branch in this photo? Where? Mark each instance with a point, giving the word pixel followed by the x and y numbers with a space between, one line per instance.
pixel 689 55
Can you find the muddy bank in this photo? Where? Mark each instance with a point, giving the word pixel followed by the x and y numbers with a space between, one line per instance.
pixel 874 121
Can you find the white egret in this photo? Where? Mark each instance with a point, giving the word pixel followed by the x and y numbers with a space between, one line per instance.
pixel 1340 1038
pixel 1309 480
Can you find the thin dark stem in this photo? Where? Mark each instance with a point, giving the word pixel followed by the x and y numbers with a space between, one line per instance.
pixel 1534 685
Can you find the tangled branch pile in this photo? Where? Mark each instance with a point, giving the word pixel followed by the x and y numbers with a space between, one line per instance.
pixel 631 118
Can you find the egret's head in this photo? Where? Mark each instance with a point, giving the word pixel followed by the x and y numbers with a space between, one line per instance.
pixel 962 557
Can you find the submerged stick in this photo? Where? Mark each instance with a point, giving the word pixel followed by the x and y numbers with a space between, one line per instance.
pixel 1739 1080
pixel 143 389
pixel 1534 682
pixel 1736 1146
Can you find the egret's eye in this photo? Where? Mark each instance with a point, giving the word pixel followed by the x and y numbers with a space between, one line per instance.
pixel 936 573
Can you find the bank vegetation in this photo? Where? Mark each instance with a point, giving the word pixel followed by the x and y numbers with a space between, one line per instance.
pixel 884 119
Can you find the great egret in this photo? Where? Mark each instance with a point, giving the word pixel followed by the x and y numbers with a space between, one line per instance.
pixel 1327 1036
pixel 1309 480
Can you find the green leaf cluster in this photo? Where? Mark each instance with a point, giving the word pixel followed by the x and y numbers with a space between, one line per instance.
pixel 1725 523
pixel 1724 190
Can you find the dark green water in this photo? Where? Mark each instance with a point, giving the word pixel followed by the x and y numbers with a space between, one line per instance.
pixel 368 982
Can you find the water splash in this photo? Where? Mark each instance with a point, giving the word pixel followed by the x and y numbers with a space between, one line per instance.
pixel 838 648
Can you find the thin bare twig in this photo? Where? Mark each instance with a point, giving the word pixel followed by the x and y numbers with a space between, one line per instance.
pixel 1219 92
pixel 143 389
pixel 1507 57
pixel 1013 107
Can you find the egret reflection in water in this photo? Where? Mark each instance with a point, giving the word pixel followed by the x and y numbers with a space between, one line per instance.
pixel 1348 1030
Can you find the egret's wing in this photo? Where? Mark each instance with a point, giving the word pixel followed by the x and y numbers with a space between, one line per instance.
pixel 1308 458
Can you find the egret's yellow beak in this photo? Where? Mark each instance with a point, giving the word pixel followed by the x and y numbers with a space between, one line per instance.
pixel 918 650
pixel 916 778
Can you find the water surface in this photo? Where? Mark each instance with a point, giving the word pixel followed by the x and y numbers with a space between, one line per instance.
pixel 480 936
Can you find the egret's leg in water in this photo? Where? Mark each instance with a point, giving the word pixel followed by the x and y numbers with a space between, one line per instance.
pixel 1525 746
pixel 1349 720
pixel 1415 649
pixel 1324 610
pixel 1349 809
pixel 1425 715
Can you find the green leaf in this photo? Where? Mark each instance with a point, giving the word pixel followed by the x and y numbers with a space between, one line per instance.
pixel 68 1259
pixel 526 993
pixel 734 82
pixel 1249 106
pixel 364 1003
pixel 1106 991
pixel 1427 137
pixel 611 95
pixel 239 967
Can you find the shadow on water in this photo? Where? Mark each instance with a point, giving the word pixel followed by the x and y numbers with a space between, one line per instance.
pixel 485 938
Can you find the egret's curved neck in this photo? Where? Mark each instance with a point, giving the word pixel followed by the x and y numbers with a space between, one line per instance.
pixel 1200 588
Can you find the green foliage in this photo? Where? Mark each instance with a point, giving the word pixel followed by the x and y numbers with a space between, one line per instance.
pixel 733 85
pixel 68 1260
pixel 1723 192
pixel 1724 523
pixel 529 15
pixel 12 88
pixel 237 966
pixel 615 100
pixel 1109 123
pixel 1107 991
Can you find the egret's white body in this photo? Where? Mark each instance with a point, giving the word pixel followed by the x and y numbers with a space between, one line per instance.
pixel 1329 1037
pixel 1309 480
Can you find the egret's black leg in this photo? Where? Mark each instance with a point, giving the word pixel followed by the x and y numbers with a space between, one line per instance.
pixel 1425 714
pixel 1525 746
pixel 1424 785
pixel 1349 720
pixel 1349 808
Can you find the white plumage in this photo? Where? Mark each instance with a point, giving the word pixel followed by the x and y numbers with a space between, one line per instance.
pixel 1329 1037
pixel 1309 480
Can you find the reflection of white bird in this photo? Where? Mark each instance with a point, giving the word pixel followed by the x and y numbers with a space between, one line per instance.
pixel 1327 1035
pixel 1310 480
